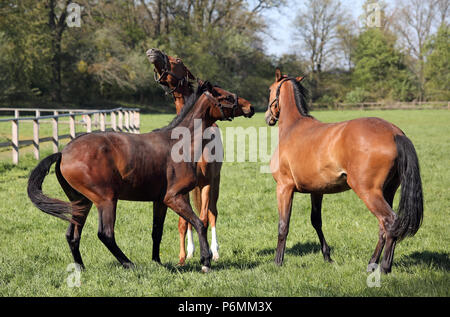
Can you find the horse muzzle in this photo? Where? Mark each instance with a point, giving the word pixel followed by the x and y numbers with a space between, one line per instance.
pixel 155 56
pixel 270 119
pixel 250 113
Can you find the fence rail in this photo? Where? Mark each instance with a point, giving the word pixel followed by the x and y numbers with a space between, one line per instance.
pixel 395 105
pixel 121 119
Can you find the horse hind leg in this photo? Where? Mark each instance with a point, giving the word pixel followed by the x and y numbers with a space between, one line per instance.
pixel 182 229
pixel 212 217
pixel 107 218
pixel 316 220
pixel 374 260
pixel 83 206
pixel 73 233
pixel 377 204
pixel 388 194
pixel 208 214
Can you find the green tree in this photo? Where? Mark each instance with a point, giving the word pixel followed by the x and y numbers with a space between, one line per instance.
pixel 379 67
pixel 437 66
pixel 24 49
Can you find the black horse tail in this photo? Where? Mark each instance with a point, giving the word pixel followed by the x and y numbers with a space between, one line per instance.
pixel 54 207
pixel 410 211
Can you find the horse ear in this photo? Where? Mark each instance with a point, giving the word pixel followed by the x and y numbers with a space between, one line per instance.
pixel 299 79
pixel 278 74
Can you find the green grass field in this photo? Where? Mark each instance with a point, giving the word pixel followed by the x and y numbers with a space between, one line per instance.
pixel 34 253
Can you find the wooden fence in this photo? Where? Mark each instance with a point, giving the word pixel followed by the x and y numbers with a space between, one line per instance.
pixel 121 119
pixel 388 105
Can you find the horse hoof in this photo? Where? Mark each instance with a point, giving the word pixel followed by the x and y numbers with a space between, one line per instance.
pixel 206 269
pixel 129 265
pixel 181 263
pixel 215 256
pixel 372 267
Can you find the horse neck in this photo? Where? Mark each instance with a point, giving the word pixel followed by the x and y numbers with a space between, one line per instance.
pixel 196 128
pixel 289 114
pixel 180 98
pixel 179 101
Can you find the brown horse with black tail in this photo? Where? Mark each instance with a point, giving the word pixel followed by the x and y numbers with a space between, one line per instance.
pixel 101 168
pixel 174 76
pixel 368 155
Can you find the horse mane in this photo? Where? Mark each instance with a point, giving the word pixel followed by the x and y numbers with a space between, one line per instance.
pixel 188 106
pixel 190 86
pixel 301 97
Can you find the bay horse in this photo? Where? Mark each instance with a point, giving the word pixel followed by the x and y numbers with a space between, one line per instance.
pixel 368 155
pixel 174 76
pixel 101 168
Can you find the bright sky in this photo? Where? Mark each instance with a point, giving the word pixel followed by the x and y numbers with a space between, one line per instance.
pixel 280 39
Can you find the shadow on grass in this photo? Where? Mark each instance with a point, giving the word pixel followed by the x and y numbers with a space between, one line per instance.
pixel 299 249
pixel 439 260
pixel 194 265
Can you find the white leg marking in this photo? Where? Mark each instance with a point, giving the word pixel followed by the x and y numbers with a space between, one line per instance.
pixel 214 244
pixel 190 244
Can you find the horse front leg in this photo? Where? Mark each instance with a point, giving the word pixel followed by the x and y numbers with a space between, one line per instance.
pixel 180 204
pixel 183 228
pixel 284 196
pixel 159 215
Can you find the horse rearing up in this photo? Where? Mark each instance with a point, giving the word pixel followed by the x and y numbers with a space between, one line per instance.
pixel 101 168
pixel 368 155
pixel 175 78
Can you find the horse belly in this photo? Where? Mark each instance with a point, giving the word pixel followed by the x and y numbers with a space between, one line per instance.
pixel 142 189
pixel 133 194
pixel 325 181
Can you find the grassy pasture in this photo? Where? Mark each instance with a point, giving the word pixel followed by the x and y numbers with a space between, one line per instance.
pixel 34 253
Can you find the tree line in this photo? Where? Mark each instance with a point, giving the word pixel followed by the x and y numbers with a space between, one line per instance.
pixel 45 61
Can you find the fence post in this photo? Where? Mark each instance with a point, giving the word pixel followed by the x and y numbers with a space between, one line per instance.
pixel 15 141
pixel 102 121
pixel 127 121
pixel 113 121
pixel 89 123
pixel 72 125
pixel 36 135
pixel 137 122
pixel 120 120
pixel 132 128
pixel 95 123
pixel 55 132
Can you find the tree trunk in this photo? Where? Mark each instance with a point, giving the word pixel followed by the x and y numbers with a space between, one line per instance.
pixel 57 27
pixel 158 18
